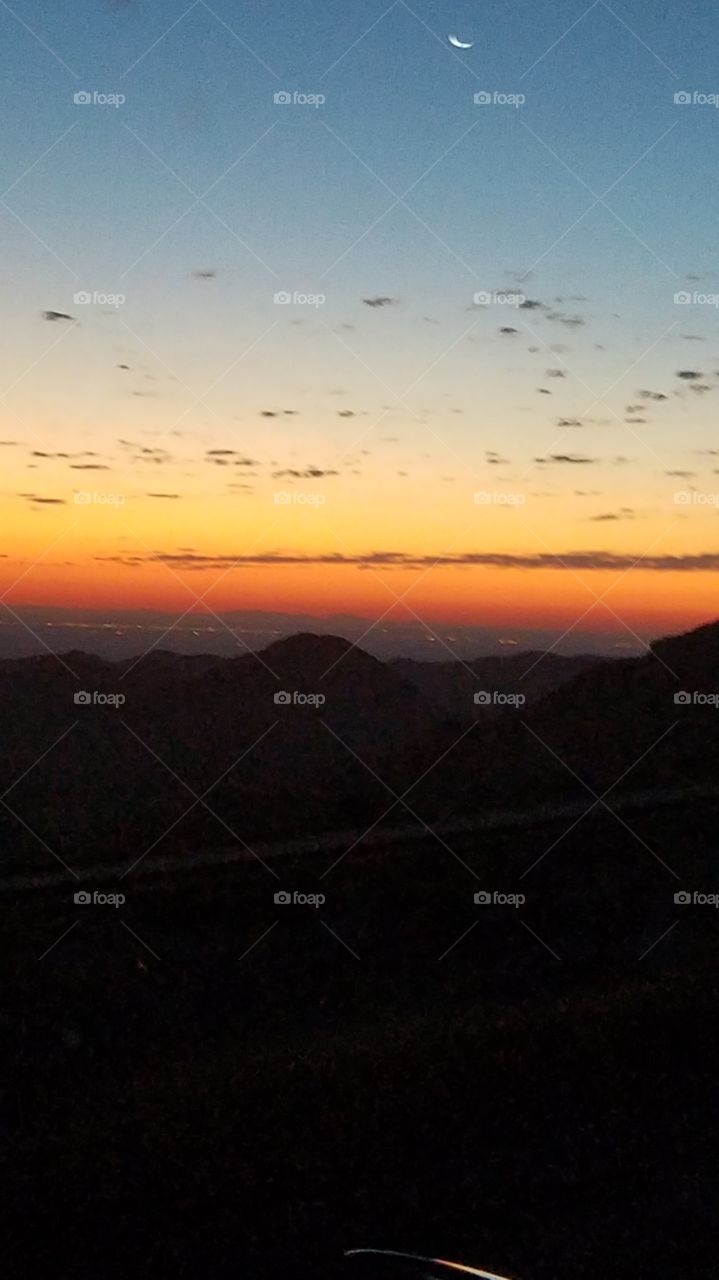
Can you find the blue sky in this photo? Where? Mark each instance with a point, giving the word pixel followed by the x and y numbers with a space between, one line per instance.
pixel 200 197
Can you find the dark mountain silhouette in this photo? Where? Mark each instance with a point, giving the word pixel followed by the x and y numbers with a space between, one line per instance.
pixel 449 687
pixel 201 754
pixel 614 725
pixel 195 727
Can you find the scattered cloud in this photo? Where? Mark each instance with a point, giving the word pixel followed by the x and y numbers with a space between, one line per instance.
pixel 309 473
pixel 49 502
pixel 573 459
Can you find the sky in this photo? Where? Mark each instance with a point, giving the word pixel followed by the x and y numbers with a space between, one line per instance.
pixel 294 324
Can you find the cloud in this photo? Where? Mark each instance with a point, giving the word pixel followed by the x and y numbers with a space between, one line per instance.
pixel 689 375
pixel 624 513
pixel 571 322
pixel 379 301
pixel 574 459
pixel 652 395
pixel 49 502
pixel 88 466
pixel 556 373
pixel 569 422
pixel 204 274
pixel 162 495
pixel 702 562
pixel 310 473
pixel 56 315
pixel 507 328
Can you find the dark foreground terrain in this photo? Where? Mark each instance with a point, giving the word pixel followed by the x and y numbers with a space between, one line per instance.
pixel 206 1083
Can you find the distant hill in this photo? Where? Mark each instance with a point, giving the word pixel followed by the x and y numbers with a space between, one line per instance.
pixel 450 686
pixel 196 727
pixel 616 724
pixel 201 753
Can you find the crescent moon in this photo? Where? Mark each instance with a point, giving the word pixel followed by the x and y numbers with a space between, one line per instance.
pixel 460 44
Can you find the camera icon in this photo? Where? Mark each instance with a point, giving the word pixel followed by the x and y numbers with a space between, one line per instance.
pixel 83 298
pixel 83 498
pixel 283 897
pixel 283 499
pixel 482 99
pixel 82 698
pixel 82 897
pixel 283 97
pixel 482 699
pixel 683 898
pixel 682 498
pixel 283 699
pixel 683 298
pixel 682 99
pixel 483 898
pixel 483 298
pixel 82 98
pixel 682 699
pixel 283 298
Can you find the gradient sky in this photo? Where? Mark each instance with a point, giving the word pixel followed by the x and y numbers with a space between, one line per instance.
pixel 184 412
